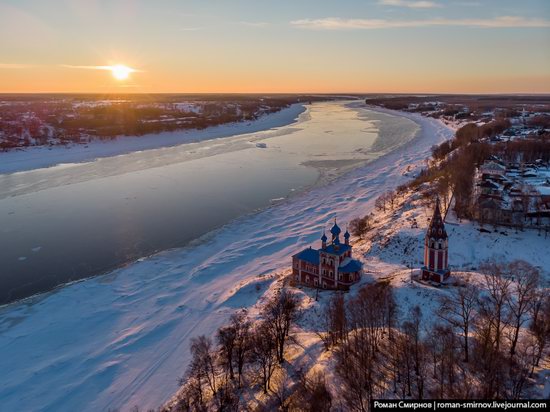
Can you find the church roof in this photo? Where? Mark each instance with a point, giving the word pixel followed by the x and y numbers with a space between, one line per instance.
pixel 324 237
pixel 340 250
pixel 335 230
pixel 436 230
pixel 309 255
pixel 352 266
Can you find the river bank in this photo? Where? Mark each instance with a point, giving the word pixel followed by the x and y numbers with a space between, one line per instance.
pixel 122 339
pixel 70 222
pixel 44 156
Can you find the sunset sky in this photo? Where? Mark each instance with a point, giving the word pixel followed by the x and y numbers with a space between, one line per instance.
pixel 275 46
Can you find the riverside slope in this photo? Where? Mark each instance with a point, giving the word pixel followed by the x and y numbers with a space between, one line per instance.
pixel 122 339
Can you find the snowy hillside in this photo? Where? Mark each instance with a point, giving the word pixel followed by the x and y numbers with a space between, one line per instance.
pixel 397 235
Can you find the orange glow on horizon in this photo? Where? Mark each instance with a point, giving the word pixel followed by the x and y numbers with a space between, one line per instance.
pixel 69 79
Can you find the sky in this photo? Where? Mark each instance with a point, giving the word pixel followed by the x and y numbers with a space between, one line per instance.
pixel 275 46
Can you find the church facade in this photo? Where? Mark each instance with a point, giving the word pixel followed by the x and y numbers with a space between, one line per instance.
pixel 436 249
pixel 330 267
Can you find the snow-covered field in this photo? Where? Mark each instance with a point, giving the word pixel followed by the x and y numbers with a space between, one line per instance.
pixel 122 339
pixel 41 156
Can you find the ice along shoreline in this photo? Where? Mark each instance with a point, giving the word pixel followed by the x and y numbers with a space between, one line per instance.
pixel 53 179
pixel 39 157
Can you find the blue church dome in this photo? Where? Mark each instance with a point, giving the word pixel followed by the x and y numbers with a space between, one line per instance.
pixel 335 230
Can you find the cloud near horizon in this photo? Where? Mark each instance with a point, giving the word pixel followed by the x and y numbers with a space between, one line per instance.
pixel 410 4
pixel 337 23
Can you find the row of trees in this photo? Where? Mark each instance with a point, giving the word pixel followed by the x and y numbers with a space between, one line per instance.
pixel 386 201
pixel 247 355
pixel 481 344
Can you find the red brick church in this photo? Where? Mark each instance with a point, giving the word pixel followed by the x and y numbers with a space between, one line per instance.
pixel 436 249
pixel 330 267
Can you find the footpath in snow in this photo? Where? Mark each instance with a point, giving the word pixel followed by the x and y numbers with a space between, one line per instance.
pixel 43 156
pixel 122 339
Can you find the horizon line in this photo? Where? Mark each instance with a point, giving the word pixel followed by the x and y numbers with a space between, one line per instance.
pixel 546 93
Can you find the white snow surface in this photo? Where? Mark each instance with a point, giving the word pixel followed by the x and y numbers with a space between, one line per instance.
pixel 122 339
pixel 45 156
pixel 396 237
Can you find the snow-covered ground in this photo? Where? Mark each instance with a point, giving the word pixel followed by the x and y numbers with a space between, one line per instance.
pixel 396 236
pixel 42 156
pixel 122 339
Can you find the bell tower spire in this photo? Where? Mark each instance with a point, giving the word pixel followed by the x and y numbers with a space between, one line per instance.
pixel 436 248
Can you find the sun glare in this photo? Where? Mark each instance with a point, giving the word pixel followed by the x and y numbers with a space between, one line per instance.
pixel 121 72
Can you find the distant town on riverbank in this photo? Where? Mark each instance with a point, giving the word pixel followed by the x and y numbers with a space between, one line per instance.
pixel 62 119
pixel 498 166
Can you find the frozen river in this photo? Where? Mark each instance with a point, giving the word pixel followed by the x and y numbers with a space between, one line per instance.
pixel 121 340
pixel 72 221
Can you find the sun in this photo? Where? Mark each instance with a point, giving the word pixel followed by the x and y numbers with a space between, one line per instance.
pixel 121 72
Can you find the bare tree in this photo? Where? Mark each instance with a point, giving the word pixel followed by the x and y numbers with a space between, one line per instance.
pixel 335 321
pixel 458 310
pixel 493 306
pixel 389 308
pixel 491 366
pixel 226 342
pixel 227 396
pixel 519 370
pixel 199 382
pixel 204 361
pixel 234 345
pixel 380 202
pixel 371 311
pixel 280 313
pixel 356 369
pixel 522 296
pixel 191 397
pixel 406 364
pixel 282 393
pixel 243 343
pixel 540 325
pixel 391 198
pixel 264 353
pixel 311 394
pixel 442 343
pixel 411 329
pixel 360 225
